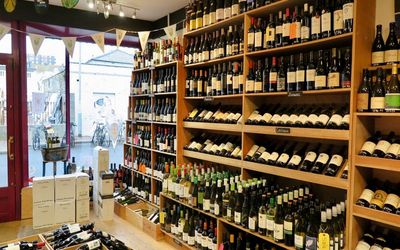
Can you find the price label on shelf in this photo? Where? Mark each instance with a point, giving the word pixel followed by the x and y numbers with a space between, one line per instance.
pixel 152 68
pixel 295 93
pixel 152 95
pixel 208 98
pixel 282 130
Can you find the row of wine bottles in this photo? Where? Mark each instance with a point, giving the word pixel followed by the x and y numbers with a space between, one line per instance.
pixel 69 235
pixel 162 165
pixel 315 158
pixel 309 116
pixel 312 23
pixel 164 81
pixel 164 51
pixel 381 196
pixel 289 215
pixel 382 146
pixel 236 239
pixel 126 197
pixel 122 176
pixel 142 136
pixel 142 161
pixel 165 140
pixel 385 53
pixel 378 238
pixel 215 45
pixel 23 245
pixel 141 186
pixel 330 71
pixel 381 95
pixel 221 145
pixel 164 110
pixel 216 114
pixel 221 79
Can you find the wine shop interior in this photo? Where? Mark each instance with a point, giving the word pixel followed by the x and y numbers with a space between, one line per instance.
pixel 200 124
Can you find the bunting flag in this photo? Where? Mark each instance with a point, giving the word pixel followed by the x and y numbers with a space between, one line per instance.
pixel 99 40
pixel 143 37
pixel 4 30
pixel 170 31
pixel 120 34
pixel 36 41
pixel 69 43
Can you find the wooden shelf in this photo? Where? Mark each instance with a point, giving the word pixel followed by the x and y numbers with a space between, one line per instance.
pixel 384 67
pixel 142 148
pixel 224 23
pixel 165 93
pixel 376 215
pixel 209 98
pixel 337 91
pixel 378 114
pixel 162 152
pixel 141 173
pixel 320 179
pixel 141 121
pixel 327 134
pixel 165 123
pixel 213 158
pixel 141 95
pixel 141 70
pixel 377 163
pixel 268 239
pixel 168 64
pixel 215 61
pixel 213 126
pixel 178 241
pixel 314 45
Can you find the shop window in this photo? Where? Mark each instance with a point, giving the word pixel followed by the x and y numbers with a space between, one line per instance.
pixel 6 41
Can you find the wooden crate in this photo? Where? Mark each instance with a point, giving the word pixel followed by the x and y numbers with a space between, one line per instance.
pixel 134 214
pixel 120 210
pixel 154 230
pixel 37 237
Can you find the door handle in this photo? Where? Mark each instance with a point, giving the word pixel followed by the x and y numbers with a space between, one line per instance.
pixel 10 141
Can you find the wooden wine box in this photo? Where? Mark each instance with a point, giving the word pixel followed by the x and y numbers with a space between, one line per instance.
pixel 120 210
pixel 134 213
pixel 154 230
pixel 37 237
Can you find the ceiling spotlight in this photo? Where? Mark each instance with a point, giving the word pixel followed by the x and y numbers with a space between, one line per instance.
pixel 121 12
pixel 106 13
pixel 134 14
pixel 90 4
pixel 109 6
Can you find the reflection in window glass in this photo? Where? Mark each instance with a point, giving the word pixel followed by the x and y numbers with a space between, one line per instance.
pixel 45 100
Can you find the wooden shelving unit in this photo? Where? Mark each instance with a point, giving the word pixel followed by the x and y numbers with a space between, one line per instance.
pixel 338 91
pixel 213 158
pixel 376 216
pixel 215 61
pixel 377 163
pixel 213 126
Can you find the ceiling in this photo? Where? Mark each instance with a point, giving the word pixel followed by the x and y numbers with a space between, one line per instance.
pixel 149 10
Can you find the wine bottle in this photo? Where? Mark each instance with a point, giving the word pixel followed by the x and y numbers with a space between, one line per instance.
pixel 363 94
pixel 367 195
pixel 286 28
pixel 379 197
pixel 338 21
pixel 391 46
pixel 305 24
pixel 279 221
pixel 378 48
pixel 392 96
pixel 291 75
pixel 310 72
pixel 316 22
pixel 383 145
pixel 378 94
pixel 298 155
pixel 320 72
pixel 326 20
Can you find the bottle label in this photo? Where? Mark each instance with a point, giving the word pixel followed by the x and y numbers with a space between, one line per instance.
pixel 286 30
pixel 391 56
pixel 258 39
pixel 392 101
pixel 362 101
pixel 368 147
pixel 322 118
pixel 250 39
pixel 313 118
pixel 220 14
pixel 235 82
pixel 315 25
pixel 348 11
pixel 293 118
pixel 338 20
pixel 377 102
pixel 320 81
pixel 362 245
pixel 94 244
pixel 311 156
pixel 378 57
pixel 346 119
pixel 209 243
pixel 238 217
pixel 278 231
pixel 270 224
pixel 299 241
pixel 270 34
pixel 191 240
pixel 74 228
pixel 323 241
pixel 235 9
pixel 258 86
pixel 305 32
pixel 281 84
pixel 394 149
pixel 300 76
pixel 216 209
pixel 326 22
pixel 252 223
pixel 367 195
pixel 383 146
pixel 274 156
pixel 266 117
pixel 310 75
pixel 262 221
pixel 295 160
pixel 336 160
pixel 273 76
pixel 204 241
pixel 302 118
pixel 379 198
pixel 333 80
pixel 288 227
pixel 323 158
pixel 392 199
pixel 265 156
pixel 311 243
pixel 336 119
pixel 249 86
pixel 227 13
pixel 291 77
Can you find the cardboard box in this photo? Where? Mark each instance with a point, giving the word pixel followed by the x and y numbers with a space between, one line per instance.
pixel 101 159
pixel 64 211
pixel 26 203
pixel 65 187
pixel 82 210
pixel 82 186
pixel 43 214
pixel 106 207
pixel 43 189
pixel 106 183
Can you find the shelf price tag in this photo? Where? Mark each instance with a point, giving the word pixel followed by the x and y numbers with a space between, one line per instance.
pixel 208 98
pixel 152 68
pixel 282 130
pixel 295 93
pixel 152 95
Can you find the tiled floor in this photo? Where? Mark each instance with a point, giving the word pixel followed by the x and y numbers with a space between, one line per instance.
pixel 131 235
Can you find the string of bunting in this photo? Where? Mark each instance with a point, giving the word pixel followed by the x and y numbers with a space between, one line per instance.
pixel 98 38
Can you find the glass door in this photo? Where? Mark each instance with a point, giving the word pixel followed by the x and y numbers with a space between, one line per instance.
pixel 7 142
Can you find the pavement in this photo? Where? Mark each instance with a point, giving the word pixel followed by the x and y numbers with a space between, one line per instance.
pixel 83 153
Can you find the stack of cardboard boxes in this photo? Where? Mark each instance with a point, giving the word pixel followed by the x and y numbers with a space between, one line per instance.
pixel 103 185
pixel 60 199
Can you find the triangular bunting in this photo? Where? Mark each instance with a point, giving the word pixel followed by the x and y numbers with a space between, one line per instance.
pixel 3 31
pixel 120 36
pixel 99 40
pixel 36 41
pixel 69 43
pixel 170 31
pixel 143 37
